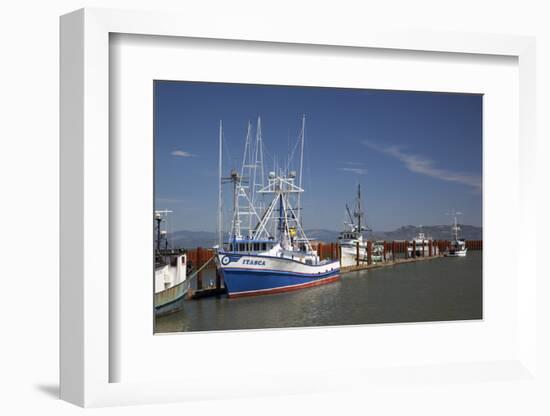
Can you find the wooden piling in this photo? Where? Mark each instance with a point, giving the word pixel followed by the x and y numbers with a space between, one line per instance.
pixel 369 252
pixel 357 253
pixel 218 280
pixel 393 249
pixel 414 249
pixel 198 265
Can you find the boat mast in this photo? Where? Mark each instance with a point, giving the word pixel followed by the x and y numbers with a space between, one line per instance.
pixel 350 216
pixel 281 218
pixel 158 219
pixel 359 214
pixel 235 179
pixel 258 163
pixel 299 204
pixel 455 229
pixel 220 232
pixel 160 216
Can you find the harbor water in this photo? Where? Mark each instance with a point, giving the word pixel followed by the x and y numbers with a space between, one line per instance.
pixel 441 289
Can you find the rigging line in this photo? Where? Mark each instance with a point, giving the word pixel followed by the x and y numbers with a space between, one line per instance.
pixel 293 152
pixel 267 154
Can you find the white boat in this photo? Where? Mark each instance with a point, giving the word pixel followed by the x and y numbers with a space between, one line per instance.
pixel 267 250
pixel 457 247
pixel 171 282
pixel 378 254
pixel 351 241
pixel 421 244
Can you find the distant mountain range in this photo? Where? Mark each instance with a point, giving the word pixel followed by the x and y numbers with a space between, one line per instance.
pixel 190 239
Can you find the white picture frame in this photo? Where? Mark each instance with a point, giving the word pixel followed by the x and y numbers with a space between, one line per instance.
pixel 85 182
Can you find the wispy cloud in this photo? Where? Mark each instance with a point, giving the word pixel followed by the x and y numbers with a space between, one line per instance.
pixel 353 163
pixel 425 166
pixel 357 171
pixel 182 153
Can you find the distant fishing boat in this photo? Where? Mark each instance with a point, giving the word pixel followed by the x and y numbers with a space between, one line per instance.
pixel 457 247
pixel 421 244
pixel 267 250
pixel 379 252
pixel 171 283
pixel 351 240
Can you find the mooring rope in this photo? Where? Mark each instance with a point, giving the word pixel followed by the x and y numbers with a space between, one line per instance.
pixel 200 268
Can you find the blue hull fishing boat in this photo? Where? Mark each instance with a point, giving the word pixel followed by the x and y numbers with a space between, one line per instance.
pixel 267 250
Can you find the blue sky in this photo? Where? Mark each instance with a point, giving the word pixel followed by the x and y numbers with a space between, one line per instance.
pixel 417 155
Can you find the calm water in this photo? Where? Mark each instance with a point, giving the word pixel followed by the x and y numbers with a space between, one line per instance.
pixel 434 290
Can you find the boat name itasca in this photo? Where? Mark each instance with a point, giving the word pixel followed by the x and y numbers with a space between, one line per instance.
pixel 254 262
pixel 267 250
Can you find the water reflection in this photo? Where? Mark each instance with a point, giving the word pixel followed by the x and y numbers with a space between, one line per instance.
pixel 434 290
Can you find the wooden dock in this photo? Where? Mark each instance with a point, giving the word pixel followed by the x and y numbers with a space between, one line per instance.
pixel 387 263
pixel 205 293
pixel 393 253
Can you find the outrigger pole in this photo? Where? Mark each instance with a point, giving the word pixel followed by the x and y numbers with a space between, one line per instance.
pixel 220 241
pixel 301 168
pixel 359 212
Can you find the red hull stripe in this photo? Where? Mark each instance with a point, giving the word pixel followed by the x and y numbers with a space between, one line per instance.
pixel 285 288
pixel 240 269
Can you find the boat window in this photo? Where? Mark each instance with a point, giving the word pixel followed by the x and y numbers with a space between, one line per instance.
pixel 264 245
pixel 256 246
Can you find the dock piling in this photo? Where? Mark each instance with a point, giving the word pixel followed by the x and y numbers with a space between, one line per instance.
pixel 198 266
pixel 218 280
pixel 369 252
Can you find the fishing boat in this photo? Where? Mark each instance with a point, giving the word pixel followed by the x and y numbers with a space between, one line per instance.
pixel 420 244
pixel 379 252
pixel 353 246
pixel 457 248
pixel 267 250
pixel 171 282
